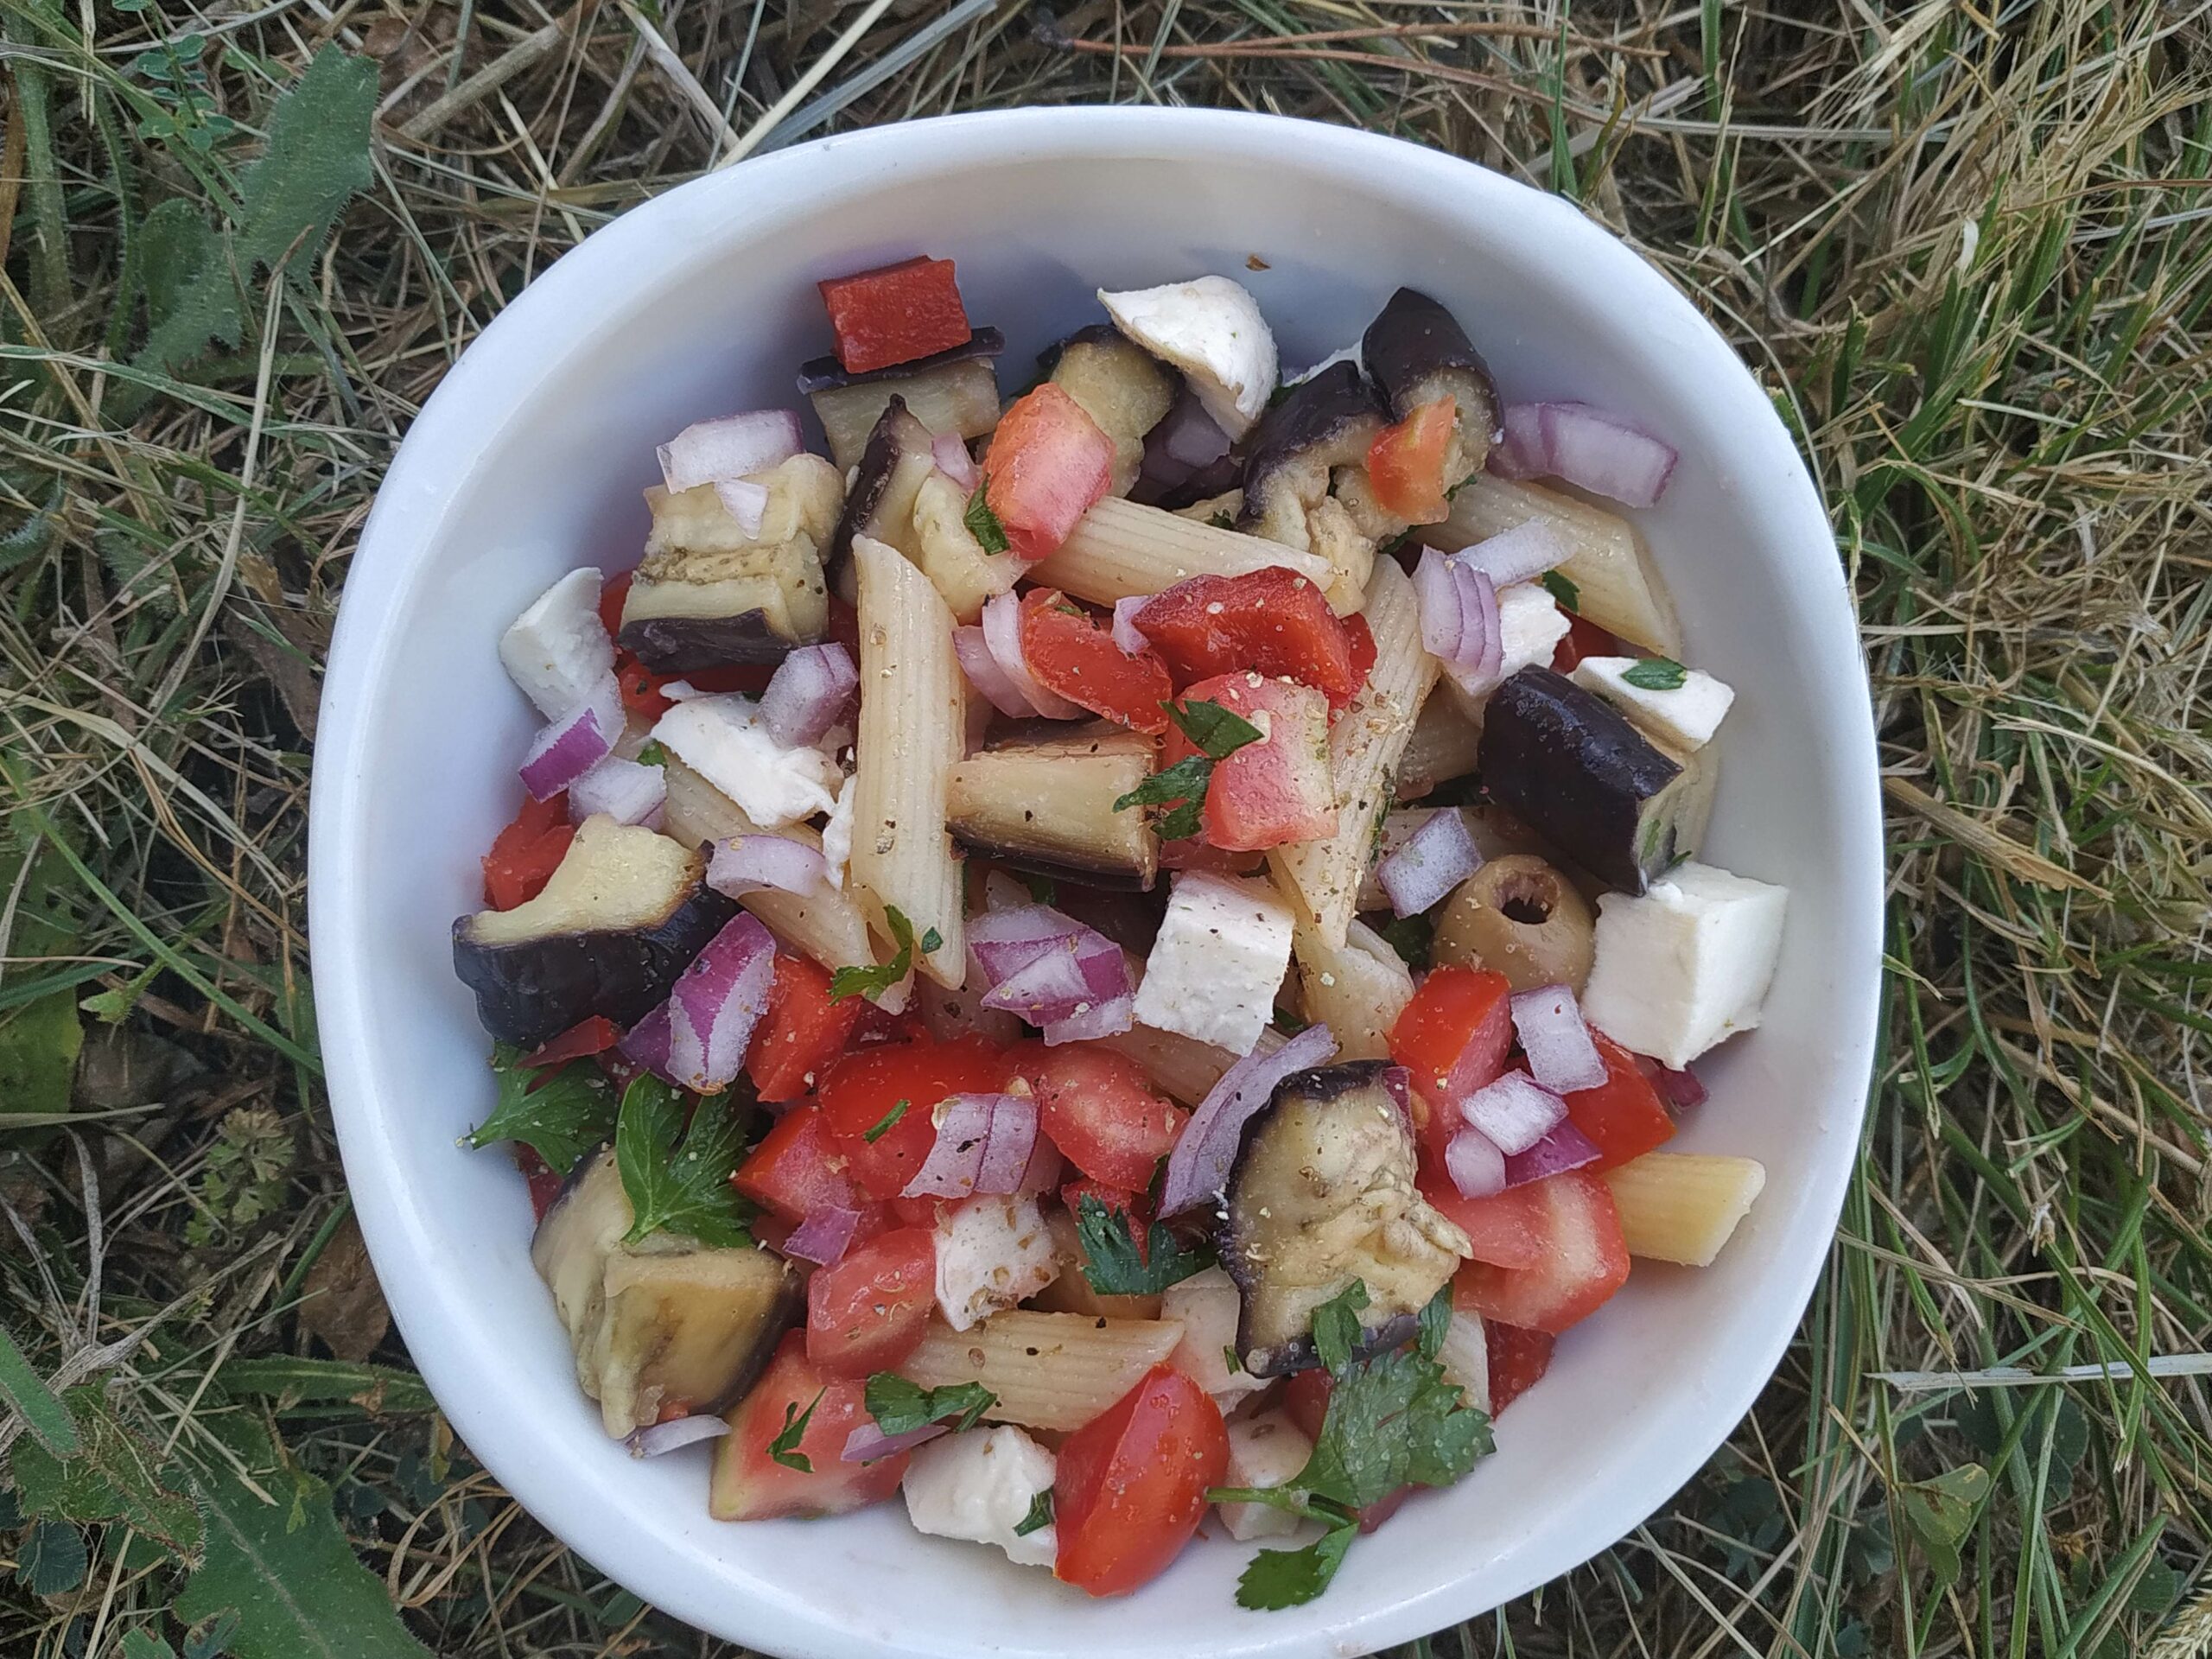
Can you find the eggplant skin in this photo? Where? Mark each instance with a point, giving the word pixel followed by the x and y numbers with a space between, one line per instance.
pixel 826 373
pixel 533 989
pixel 897 436
pixel 1326 422
pixel 1322 1193
pixel 1411 339
pixel 688 644
pixel 1582 777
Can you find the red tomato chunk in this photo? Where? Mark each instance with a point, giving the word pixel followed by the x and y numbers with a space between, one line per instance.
pixel 803 1031
pixel 1454 1037
pixel 1405 463
pixel 1048 465
pixel 750 1485
pixel 1584 1261
pixel 1277 790
pixel 799 1169
pixel 1132 1483
pixel 1272 622
pixel 1518 1359
pixel 1099 1110
pixel 895 313
pixel 1622 1114
pixel 867 1311
pixel 526 853
pixel 860 1097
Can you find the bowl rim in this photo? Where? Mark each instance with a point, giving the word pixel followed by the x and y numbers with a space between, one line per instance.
pixel 432 470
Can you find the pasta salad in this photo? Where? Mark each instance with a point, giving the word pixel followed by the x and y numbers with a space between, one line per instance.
pixel 1116 956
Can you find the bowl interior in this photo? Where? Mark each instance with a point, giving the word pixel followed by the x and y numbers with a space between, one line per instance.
pixel 530 460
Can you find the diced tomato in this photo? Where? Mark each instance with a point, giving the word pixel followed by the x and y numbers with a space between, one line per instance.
pixel 642 698
pixel 798 1167
pixel 545 1179
pixel 1048 465
pixel 586 1037
pixel 1272 622
pixel 1583 639
pixel 844 623
pixel 1131 1485
pixel 1406 462
pixel 1128 1200
pixel 1518 1359
pixel 860 1095
pixel 1507 1229
pixel 919 1212
pixel 804 1029
pixel 895 313
pixel 1624 1114
pixel 1069 653
pixel 613 592
pixel 1275 791
pixel 1102 1113
pixel 1584 1261
pixel 1453 1036
pixel 526 853
pixel 749 1483
pixel 866 1312
pixel 1305 1401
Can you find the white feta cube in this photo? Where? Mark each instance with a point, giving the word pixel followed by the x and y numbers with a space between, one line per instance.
pixel 1264 1451
pixel 1530 625
pixel 1207 1304
pixel 1211 329
pixel 558 651
pixel 721 739
pixel 978 1487
pixel 1683 717
pixel 1220 954
pixel 1686 963
pixel 991 1253
pixel 838 834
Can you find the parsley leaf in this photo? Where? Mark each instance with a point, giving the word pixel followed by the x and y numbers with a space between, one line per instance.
pixel 900 1407
pixel 1289 1578
pixel 873 980
pixel 560 1115
pixel 785 1447
pixel 1569 595
pixel 1040 1515
pixel 983 524
pixel 652 754
pixel 1287 1022
pixel 882 1126
pixel 1435 1321
pixel 1411 937
pixel 1113 1264
pixel 1221 521
pixel 1042 888
pixel 1655 674
pixel 1336 1328
pixel 680 1188
pixel 1219 733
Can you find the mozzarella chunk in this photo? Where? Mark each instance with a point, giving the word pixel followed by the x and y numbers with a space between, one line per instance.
pixel 1208 1305
pixel 1263 1451
pixel 722 740
pixel 1465 1356
pixel 1211 329
pixel 558 651
pixel 991 1253
pixel 1682 718
pixel 1686 963
pixel 1530 625
pixel 1220 955
pixel 838 834
pixel 978 1487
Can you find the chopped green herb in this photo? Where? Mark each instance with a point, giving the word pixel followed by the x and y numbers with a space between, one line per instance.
pixel 1113 1264
pixel 900 1407
pixel 1569 595
pixel 1336 1328
pixel 882 1126
pixel 1412 937
pixel 1287 1023
pixel 1040 1515
pixel 785 1447
pixel 559 1113
pixel 1231 1358
pixel 1290 1578
pixel 1219 733
pixel 652 754
pixel 1435 1321
pixel 683 1188
pixel 983 524
pixel 1042 888
pixel 873 981
pixel 1656 674
pixel 1221 521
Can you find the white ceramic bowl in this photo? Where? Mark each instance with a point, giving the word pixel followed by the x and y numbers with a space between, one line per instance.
pixel 529 461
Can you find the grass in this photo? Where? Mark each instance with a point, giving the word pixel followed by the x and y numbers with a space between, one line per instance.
pixel 1965 246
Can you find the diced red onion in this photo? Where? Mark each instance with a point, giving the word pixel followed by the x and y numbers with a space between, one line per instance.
pixel 1185 442
pixel 1459 623
pixel 626 790
pixel 1561 1057
pixel 1475 1166
pixel 715 1003
pixel 1520 553
pixel 982 1146
pixel 1050 969
pixel 1587 446
pixel 1043 1172
pixel 731 447
pixel 1514 1112
pixel 1680 1089
pixel 954 460
pixel 745 864
pixel 1003 634
pixel 984 673
pixel 745 501
pixel 565 750
pixel 1433 860
pixel 1566 1148
pixel 1197 1169
pixel 646 1043
pixel 1047 988
pixel 1127 635
pixel 867 1443
pixel 1004 939
pixel 1519 450
pixel 1090 1021
pixel 657 1439
pixel 808 694
pixel 824 1237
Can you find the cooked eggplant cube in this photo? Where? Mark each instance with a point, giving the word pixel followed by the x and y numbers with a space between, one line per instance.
pixel 1321 1194
pixel 1327 422
pixel 956 392
pixel 1121 386
pixel 1046 805
pixel 881 501
pixel 621 917
pixel 579 1230
pixel 1417 352
pixel 1586 780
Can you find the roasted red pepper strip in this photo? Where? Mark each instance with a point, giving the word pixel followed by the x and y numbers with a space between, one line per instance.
pixel 1273 622
pixel 895 313
pixel 1071 655
pixel 527 852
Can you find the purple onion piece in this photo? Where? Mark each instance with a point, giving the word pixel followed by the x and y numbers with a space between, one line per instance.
pixel 1553 1035
pixel 1481 645
pixel 730 447
pixel 1127 635
pixel 625 790
pixel 867 1443
pixel 956 1160
pixel 1197 1169
pixel 745 864
pixel 954 460
pixel 1433 860
pixel 1519 450
pixel 808 694
pixel 745 501
pixel 1566 1148
pixel 647 1042
pixel 824 1237
pixel 983 673
pixel 1520 553
pixel 1680 1087
pixel 1049 988
pixel 1475 1166
pixel 657 1439
pixel 1514 1112
pixel 1010 1144
pixel 1594 451
pixel 1087 1024
pixel 715 1003
pixel 564 751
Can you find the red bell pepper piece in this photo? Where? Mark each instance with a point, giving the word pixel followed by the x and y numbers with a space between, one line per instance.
pixel 526 853
pixel 1273 622
pixel 1518 1360
pixel 1454 1037
pixel 1276 790
pixel 804 1030
pixel 1624 1114
pixel 1583 639
pixel 1048 465
pixel 1070 654
pixel 895 313
pixel 1405 463
pixel 580 1041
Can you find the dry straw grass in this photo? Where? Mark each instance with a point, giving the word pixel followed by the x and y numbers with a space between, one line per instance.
pixel 1965 245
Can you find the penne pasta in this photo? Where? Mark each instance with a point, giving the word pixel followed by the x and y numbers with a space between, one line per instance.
pixel 1120 550
pixel 825 925
pixel 1465 1356
pixel 1444 746
pixel 1049 1370
pixel 1616 586
pixel 1682 1206
pixel 1357 989
pixel 1322 877
pixel 912 730
pixel 1183 1066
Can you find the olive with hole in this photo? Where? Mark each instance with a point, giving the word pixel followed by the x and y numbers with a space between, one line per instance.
pixel 1522 917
